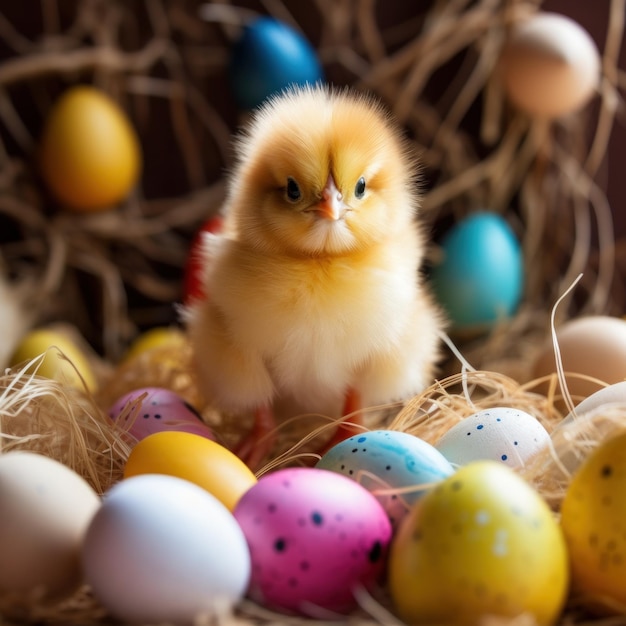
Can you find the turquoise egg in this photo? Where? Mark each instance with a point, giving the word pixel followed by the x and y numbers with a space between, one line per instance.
pixel 481 277
pixel 268 57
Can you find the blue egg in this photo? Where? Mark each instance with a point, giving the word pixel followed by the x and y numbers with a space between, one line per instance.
pixel 481 277
pixel 268 57
pixel 396 467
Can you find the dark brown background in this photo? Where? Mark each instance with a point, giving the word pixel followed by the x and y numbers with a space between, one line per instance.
pixel 594 16
pixel 166 178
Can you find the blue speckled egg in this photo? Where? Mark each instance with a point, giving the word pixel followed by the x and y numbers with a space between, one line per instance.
pixel 315 537
pixel 481 277
pixel 397 467
pixel 268 57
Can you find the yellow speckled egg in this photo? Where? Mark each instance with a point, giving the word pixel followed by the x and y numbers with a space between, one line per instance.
pixel 194 458
pixel 64 361
pixel 593 517
pixel 482 542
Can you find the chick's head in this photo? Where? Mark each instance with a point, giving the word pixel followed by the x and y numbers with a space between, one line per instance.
pixel 322 173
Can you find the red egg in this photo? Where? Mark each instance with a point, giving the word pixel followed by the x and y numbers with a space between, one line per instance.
pixel 192 279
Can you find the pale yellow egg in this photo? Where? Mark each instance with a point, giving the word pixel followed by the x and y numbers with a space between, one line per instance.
pixel 160 337
pixel 61 359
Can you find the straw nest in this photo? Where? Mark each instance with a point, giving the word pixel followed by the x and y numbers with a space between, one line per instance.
pixel 114 274
pixel 72 426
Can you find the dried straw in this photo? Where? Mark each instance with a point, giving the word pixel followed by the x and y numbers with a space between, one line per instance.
pixel 112 274
pixel 72 427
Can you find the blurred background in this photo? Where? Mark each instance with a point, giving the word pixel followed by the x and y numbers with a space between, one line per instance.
pixel 114 272
pixel 594 16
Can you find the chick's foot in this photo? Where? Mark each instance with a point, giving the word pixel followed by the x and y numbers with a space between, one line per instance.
pixel 350 425
pixel 259 442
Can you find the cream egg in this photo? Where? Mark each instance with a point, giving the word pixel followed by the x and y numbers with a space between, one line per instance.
pixel 550 65
pixel 591 347
pixel 46 509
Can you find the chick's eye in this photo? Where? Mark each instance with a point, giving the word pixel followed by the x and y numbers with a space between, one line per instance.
pixel 359 188
pixel 293 190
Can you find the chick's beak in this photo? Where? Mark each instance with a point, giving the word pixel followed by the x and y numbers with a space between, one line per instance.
pixel 331 206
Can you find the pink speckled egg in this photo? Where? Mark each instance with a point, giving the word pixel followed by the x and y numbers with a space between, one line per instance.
pixel 314 537
pixel 153 409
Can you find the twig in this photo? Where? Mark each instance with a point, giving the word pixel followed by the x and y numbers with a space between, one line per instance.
pixel 26 68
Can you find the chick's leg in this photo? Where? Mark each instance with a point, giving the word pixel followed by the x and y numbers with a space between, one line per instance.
pixel 258 443
pixel 349 426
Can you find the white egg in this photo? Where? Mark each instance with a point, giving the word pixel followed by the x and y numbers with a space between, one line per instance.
pixel 550 65
pixel 593 419
pixel 613 395
pixel 162 549
pixel 501 434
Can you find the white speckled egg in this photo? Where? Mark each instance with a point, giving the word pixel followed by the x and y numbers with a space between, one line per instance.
pixel 501 434
pixel 385 462
pixel 162 549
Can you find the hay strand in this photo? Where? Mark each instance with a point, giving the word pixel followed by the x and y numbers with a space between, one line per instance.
pixel 114 274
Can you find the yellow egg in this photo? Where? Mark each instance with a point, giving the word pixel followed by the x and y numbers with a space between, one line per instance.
pixel 194 458
pixel 90 154
pixel 482 542
pixel 550 65
pixel 593 517
pixel 63 360
pixel 161 337
pixel 593 346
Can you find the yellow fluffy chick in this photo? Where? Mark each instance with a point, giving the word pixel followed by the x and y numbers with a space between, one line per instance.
pixel 313 286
